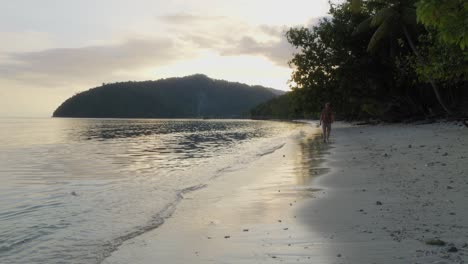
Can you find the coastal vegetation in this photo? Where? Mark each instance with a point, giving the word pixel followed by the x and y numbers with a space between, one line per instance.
pixel 195 96
pixel 391 60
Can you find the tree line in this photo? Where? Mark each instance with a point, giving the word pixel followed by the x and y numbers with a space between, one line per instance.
pixel 391 60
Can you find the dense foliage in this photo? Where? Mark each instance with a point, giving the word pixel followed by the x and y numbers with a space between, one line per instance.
pixel 372 59
pixel 189 97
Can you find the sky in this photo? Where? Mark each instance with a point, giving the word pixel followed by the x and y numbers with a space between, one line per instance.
pixel 53 49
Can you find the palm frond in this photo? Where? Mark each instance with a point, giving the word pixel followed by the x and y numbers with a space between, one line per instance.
pixel 363 27
pixel 382 15
pixel 379 34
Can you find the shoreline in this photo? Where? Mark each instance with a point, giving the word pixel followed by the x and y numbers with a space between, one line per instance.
pixel 379 196
pixel 245 216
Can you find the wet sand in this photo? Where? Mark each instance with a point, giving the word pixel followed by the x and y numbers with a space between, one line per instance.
pixel 382 193
pixel 244 216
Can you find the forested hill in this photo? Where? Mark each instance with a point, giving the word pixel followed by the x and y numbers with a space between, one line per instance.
pixel 187 97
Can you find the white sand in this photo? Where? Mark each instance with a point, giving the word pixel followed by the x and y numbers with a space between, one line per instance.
pixel 418 173
pixel 423 191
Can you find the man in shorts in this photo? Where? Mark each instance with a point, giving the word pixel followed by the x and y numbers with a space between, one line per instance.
pixel 327 117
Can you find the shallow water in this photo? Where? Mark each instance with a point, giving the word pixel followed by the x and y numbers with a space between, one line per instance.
pixel 72 190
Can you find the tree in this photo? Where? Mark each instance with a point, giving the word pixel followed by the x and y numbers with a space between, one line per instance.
pixel 332 66
pixel 391 19
pixel 448 17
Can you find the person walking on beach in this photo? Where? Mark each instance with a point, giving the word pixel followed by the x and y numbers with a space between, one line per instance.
pixel 327 117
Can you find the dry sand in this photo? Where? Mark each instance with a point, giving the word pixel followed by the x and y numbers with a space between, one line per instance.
pixel 388 190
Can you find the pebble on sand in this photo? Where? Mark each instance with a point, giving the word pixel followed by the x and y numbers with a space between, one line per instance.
pixel 435 242
pixel 452 249
pixel 227 236
pixel 378 203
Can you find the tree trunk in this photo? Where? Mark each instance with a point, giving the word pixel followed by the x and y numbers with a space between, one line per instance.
pixel 431 81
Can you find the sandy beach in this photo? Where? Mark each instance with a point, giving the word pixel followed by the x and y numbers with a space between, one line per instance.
pixel 375 194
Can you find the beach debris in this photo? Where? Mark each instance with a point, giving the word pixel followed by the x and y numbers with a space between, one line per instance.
pixel 338 255
pixel 285 228
pixel 74 193
pixel 284 156
pixel 227 237
pixel 449 187
pixel 452 249
pixel 245 230
pixel 279 221
pixel 435 242
pixel 410 146
pixel 465 245
pixel 289 245
pixel 422 146
pixel 385 155
pixel 445 154
pixel 378 203
pixel 209 237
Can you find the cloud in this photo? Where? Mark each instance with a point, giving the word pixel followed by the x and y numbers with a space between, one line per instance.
pixel 187 36
pixel 230 37
pixel 278 52
pixel 185 18
pixel 92 62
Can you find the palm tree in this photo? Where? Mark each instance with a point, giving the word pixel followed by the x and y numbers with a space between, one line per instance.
pixel 394 16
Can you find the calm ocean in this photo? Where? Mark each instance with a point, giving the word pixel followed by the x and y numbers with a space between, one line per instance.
pixel 72 190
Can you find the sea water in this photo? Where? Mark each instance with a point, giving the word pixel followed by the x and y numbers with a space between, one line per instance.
pixel 72 190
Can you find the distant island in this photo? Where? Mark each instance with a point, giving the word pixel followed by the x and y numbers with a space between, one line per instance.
pixel 195 96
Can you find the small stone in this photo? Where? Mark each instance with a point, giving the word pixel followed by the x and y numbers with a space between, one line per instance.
pixel 435 242
pixel 385 155
pixel 280 221
pixel 452 249
pixel 209 237
pixel 339 255
pixel 445 154
pixel 227 236
pixel 74 193
pixel 449 187
pixel 409 146
pixel 245 230
pixel 378 203
pixel 285 228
